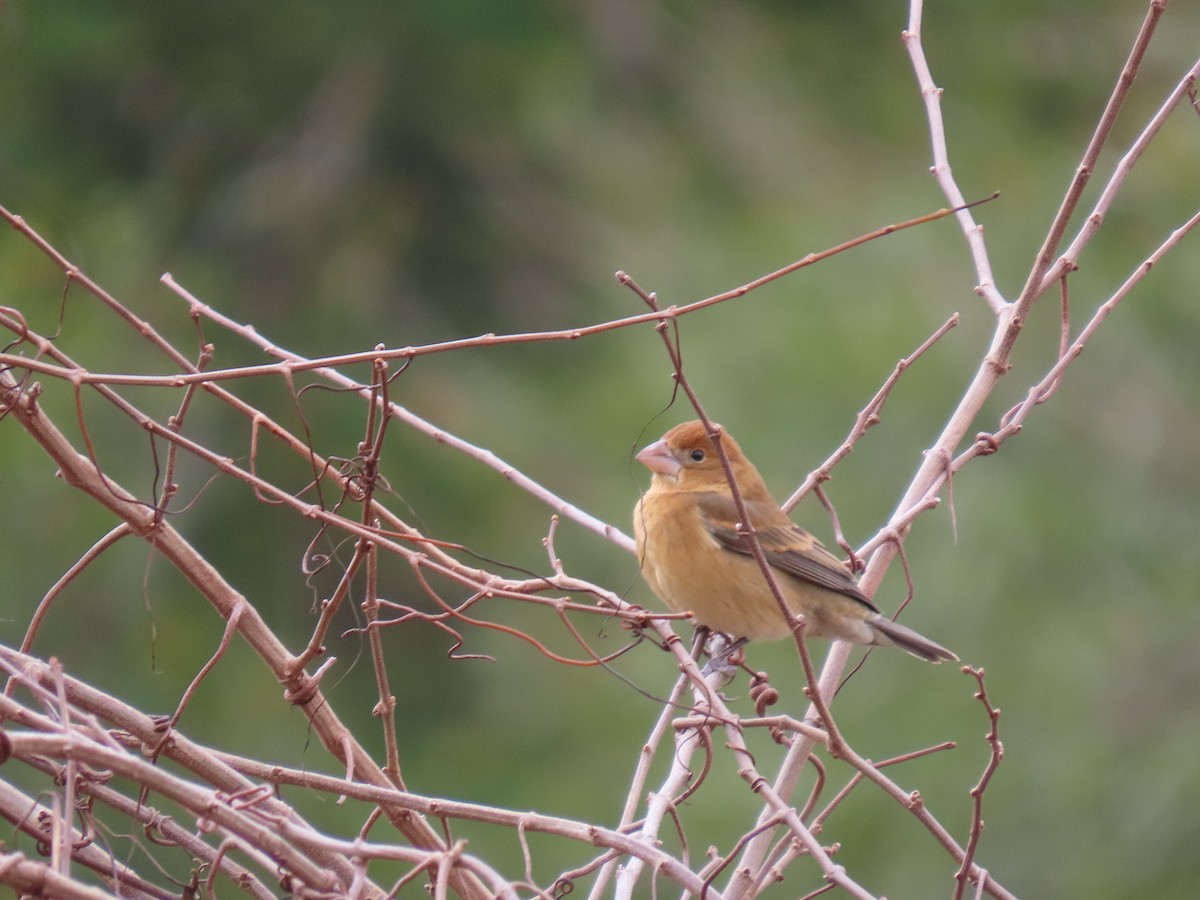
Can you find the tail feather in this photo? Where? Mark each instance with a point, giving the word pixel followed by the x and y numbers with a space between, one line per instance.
pixel 889 633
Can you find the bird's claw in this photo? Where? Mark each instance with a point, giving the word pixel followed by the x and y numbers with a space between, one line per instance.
pixel 720 665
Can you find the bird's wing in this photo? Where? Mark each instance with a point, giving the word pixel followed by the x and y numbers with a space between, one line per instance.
pixel 787 546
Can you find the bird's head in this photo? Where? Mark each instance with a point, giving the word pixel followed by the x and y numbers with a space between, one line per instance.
pixel 686 455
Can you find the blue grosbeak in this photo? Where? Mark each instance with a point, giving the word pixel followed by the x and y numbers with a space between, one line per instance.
pixel 694 557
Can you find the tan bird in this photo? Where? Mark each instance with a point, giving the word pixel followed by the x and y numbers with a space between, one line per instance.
pixel 694 559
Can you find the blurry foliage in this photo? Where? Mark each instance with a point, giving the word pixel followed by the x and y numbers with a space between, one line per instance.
pixel 340 175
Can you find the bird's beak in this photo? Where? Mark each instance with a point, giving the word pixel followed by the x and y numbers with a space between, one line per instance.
pixel 658 458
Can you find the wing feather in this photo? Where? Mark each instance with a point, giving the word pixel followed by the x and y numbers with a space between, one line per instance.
pixel 787 546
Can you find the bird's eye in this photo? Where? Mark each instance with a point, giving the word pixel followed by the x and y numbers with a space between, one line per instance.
pixel 697 455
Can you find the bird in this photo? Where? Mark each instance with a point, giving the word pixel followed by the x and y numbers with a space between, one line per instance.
pixel 695 555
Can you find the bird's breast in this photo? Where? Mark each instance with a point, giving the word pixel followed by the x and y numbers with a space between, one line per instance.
pixel 691 572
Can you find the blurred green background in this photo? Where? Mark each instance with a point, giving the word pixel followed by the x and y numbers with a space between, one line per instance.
pixel 342 175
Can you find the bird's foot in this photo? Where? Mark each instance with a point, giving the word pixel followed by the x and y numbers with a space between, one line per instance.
pixel 726 656
pixel 719 665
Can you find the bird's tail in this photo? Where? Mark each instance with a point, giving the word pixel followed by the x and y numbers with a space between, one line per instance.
pixel 893 634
